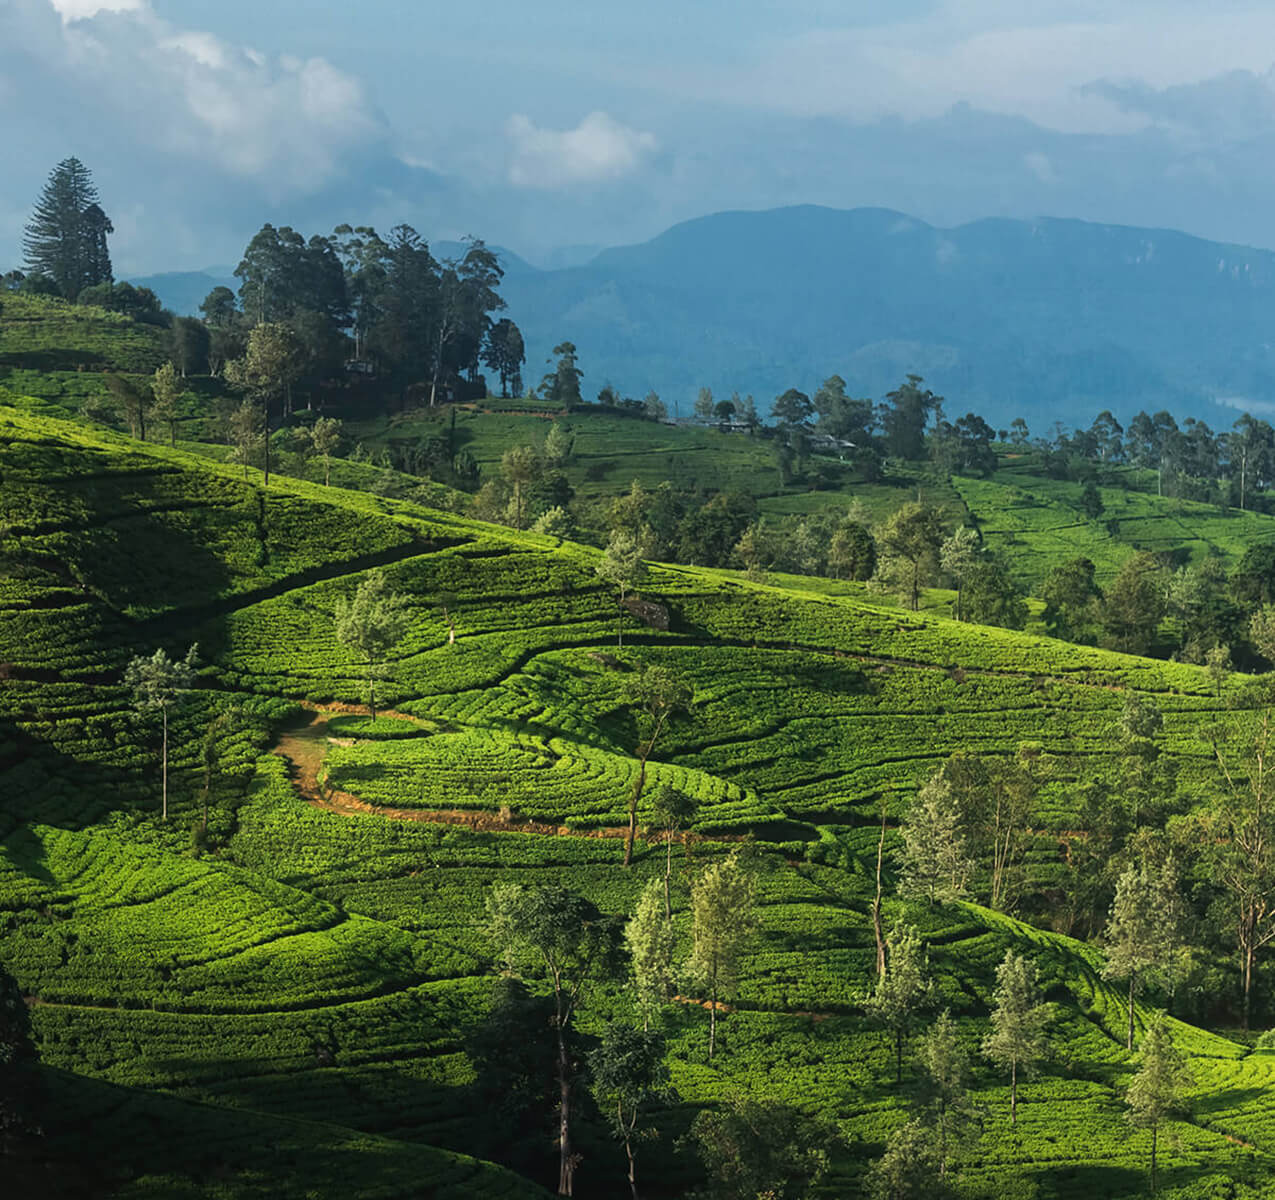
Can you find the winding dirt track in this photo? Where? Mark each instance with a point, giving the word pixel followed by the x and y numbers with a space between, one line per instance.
pixel 304 747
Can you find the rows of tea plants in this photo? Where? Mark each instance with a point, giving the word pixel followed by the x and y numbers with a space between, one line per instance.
pixel 538 778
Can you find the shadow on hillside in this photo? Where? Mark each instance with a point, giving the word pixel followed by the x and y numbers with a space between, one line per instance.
pixel 52 360
pixel 1217 1102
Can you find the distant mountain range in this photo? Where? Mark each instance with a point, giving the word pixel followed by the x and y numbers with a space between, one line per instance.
pixel 1047 319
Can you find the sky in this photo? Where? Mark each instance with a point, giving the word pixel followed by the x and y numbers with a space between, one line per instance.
pixel 550 128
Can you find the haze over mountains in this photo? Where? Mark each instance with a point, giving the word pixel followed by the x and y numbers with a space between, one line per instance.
pixel 1048 319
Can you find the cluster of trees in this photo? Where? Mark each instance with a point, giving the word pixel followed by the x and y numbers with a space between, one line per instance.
pixel 1199 612
pixel 564 938
pixel 917 1162
pixel 1160 877
pixel 1232 468
pixel 385 305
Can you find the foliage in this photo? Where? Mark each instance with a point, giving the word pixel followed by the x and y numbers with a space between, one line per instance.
pixel 1157 1089
pixel 757 1149
pixel 904 991
pixel 371 624
pixel 65 239
pixel 1017 1038
pixel 724 920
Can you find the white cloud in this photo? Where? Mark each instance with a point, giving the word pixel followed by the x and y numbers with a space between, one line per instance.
pixel 599 148
pixel 290 123
pixel 83 10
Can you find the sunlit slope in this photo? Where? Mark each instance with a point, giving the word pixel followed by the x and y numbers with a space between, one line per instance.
pixel 324 966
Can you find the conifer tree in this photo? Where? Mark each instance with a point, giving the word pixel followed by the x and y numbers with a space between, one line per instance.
pixel 1017 1039
pixel 945 1069
pixel 935 862
pixel 65 239
pixel 1156 1091
pixel 1137 937
pixel 903 991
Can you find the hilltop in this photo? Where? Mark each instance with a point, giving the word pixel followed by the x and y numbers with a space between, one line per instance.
pixel 324 960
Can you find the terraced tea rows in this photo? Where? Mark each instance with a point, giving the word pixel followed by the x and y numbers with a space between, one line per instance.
pixel 308 963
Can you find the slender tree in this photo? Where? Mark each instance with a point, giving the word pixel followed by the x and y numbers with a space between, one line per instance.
pixel 944 1090
pixel 371 624
pixel 165 389
pixel 904 992
pixel 655 693
pixel 957 555
pixel 244 432
pixel 672 809
pixel 157 683
pixel 622 567
pixel 575 945
pixel 629 1075
pixel 1017 1041
pixel 1137 938
pixel 723 921
pixel 650 938
pixel 325 437
pixel 1239 842
pixel 1158 1089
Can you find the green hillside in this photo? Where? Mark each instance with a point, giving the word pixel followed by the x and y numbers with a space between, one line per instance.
pixel 312 963
pixel 59 351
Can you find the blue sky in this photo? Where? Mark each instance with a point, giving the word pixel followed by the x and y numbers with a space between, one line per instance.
pixel 546 125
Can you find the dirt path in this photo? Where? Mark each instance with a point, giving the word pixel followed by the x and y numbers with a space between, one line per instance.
pixel 304 746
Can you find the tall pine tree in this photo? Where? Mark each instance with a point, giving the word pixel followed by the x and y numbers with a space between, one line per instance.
pixel 66 236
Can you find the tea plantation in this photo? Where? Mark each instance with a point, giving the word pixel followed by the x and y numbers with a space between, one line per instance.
pixel 288 1003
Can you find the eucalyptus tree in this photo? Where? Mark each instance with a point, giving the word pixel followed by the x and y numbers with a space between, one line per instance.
pixel 723 922
pixel 566 936
pixel 158 684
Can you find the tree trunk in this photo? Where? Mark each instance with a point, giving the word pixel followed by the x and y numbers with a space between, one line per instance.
pixel 1248 981
pixel 1155 1129
pixel 876 903
pixel 628 1150
pixel 634 796
pixel 1132 977
pixel 712 1017
pixel 164 764
pixel 371 692
pixel 566 1166
pixel 1013 1092
pixel 327 470
pixel 668 872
